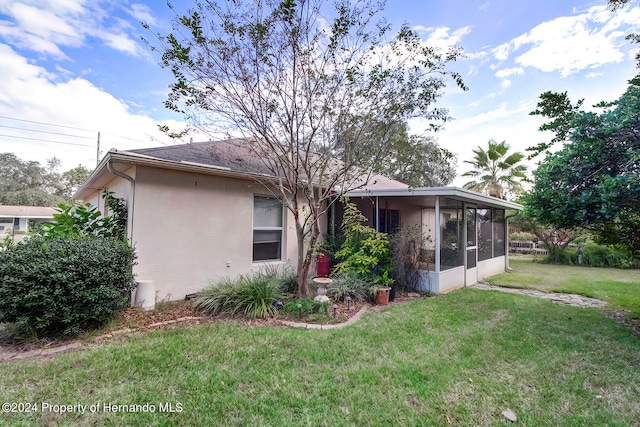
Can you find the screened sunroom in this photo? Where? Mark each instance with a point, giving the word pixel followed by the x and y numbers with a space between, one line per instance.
pixel 465 232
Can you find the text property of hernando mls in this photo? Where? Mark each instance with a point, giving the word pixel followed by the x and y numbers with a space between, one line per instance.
pixel 96 407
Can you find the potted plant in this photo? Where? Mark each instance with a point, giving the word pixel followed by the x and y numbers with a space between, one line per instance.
pixel 383 288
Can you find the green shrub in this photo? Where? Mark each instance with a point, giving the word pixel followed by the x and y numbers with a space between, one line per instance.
pixel 307 307
pixel 593 256
pixel 65 285
pixel 365 250
pixel 85 220
pixel 252 295
pixel 349 284
pixel 522 236
pixel 561 256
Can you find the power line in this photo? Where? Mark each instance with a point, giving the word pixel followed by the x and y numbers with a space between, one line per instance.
pixel 46 140
pixel 44 131
pixel 70 127
pixel 47 124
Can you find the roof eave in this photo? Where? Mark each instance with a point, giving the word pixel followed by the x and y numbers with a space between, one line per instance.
pixel 454 192
pixel 126 157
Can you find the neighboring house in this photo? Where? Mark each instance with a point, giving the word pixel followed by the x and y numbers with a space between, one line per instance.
pixel 19 219
pixel 199 211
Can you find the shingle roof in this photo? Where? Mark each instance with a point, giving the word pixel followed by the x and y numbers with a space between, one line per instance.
pixel 233 154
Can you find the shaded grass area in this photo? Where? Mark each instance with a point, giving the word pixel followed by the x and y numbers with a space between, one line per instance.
pixel 620 288
pixel 462 358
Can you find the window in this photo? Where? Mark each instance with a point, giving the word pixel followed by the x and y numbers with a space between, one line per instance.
pixel 452 239
pixel 498 232
pixel 471 227
pixel 484 234
pixel 389 220
pixel 267 228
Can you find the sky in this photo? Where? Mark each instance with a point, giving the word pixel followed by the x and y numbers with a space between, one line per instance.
pixel 73 72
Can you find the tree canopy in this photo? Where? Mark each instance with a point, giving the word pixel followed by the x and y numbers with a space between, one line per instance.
pixel 416 160
pixel 28 183
pixel 594 180
pixel 303 82
pixel 496 172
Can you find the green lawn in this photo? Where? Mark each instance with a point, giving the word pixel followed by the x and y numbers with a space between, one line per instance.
pixel 457 359
pixel 620 288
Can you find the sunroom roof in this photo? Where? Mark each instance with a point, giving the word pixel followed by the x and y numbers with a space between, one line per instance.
pixel 426 196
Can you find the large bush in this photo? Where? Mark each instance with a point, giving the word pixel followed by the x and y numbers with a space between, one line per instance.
pixel 406 248
pixel 364 251
pixel 65 285
pixel 593 256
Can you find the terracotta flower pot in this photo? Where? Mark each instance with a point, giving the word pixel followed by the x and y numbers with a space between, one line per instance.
pixel 382 296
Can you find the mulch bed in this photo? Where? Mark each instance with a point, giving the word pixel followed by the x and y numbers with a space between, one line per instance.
pixel 171 315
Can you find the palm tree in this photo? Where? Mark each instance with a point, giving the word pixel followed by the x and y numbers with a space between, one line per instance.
pixel 496 172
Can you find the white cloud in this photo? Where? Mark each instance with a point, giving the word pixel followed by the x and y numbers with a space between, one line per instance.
pixel 593 74
pixel 484 5
pixel 442 36
pixel 29 92
pixel 143 13
pixel 473 104
pixel 571 44
pixel 500 112
pixel 506 72
pixel 50 26
pixel 505 83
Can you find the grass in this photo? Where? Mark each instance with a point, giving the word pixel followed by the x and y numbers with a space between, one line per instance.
pixel 620 288
pixel 458 359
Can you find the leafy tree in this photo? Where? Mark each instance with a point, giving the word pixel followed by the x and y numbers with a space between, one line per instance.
pixel 28 183
pixel 300 86
pixel 594 181
pixel 634 37
pixel 496 172
pixel 71 180
pixel 558 108
pixel 31 197
pixel 418 161
pixel 16 175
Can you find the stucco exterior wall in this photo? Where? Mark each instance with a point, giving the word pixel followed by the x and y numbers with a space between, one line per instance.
pixel 491 267
pixel 190 228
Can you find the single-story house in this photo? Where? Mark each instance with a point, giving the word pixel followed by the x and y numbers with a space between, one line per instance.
pixel 20 218
pixel 199 211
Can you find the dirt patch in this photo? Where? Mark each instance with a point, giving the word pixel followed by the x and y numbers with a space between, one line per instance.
pixel 622 318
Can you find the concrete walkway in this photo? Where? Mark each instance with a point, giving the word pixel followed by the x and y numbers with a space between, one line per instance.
pixel 568 299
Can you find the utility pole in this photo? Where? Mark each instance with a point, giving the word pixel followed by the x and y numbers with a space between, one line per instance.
pixel 98 150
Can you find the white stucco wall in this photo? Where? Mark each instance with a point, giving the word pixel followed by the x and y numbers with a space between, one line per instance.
pixel 491 267
pixel 191 228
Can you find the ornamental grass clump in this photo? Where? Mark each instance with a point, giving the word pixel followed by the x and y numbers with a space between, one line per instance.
pixel 349 284
pixel 251 295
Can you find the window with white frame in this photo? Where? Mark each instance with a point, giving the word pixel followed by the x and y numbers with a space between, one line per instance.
pixel 267 228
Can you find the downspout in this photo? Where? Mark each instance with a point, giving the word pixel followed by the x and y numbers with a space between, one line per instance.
pixel 131 199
